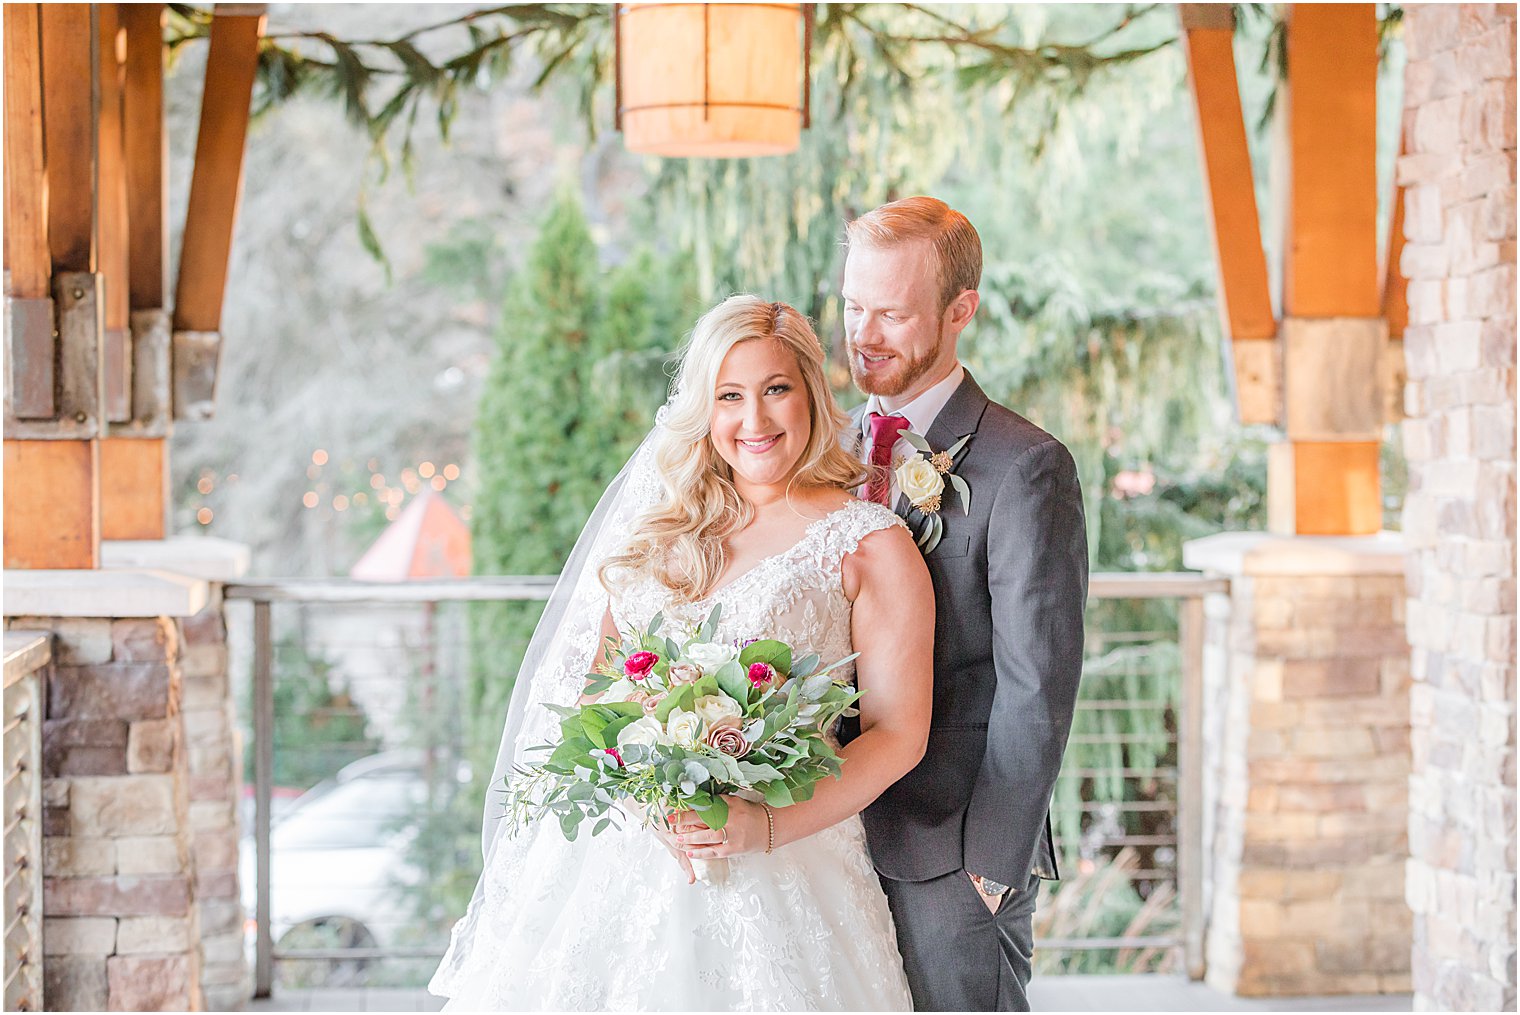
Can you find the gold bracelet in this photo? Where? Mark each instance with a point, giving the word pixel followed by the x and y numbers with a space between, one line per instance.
pixel 770 829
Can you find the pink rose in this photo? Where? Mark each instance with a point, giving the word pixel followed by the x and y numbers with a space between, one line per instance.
pixel 685 673
pixel 762 674
pixel 612 752
pixel 639 696
pixel 639 664
pixel 725 737
pixel 651 702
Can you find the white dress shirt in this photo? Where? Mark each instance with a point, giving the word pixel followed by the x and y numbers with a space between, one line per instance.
pixel 920 413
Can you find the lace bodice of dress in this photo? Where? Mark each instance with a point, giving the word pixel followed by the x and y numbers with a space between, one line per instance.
pixel 796 596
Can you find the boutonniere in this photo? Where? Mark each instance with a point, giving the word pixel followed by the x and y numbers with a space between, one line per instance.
pixel 922 479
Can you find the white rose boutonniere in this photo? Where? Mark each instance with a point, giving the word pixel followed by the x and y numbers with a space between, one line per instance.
pixel 922 479
pixel 923 486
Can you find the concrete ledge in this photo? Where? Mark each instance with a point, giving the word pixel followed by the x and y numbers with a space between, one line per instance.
pixel 140 593
pixel 217 560
pixel 1239 554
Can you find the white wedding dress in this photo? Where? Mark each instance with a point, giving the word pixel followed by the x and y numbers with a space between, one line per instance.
pixel 609 922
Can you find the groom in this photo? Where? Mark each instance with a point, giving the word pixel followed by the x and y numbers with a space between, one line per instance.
pixel 961 841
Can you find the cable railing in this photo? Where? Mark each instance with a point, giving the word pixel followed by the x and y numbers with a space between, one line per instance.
pixel 390 662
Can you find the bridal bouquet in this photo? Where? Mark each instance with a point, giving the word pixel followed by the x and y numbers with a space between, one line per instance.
pixel 681 724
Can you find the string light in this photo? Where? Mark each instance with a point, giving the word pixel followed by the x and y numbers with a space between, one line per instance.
pixel 377 481
pixel 439 482
pixel 310 499
pixel 340 503
pixel 319 457
pixel 425 470
pixel 203 516
pixel 205 485
pixel 451 472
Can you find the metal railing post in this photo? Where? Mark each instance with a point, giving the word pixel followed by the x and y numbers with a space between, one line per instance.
pixel 1190 621
pixel 263 780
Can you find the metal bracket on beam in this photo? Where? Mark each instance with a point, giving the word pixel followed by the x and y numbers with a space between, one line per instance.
pixel 195 357
pixel 31 343
pixel 79 388
pixel 152 408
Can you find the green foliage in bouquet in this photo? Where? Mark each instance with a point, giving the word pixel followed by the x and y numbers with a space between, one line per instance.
pixel 674 742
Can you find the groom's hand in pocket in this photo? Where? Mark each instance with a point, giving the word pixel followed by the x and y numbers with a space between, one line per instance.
pixel 992 902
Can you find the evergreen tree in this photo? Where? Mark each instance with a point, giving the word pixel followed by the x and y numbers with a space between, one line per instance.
pixel 581 366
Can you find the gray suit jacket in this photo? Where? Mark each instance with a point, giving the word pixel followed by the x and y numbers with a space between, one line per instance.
pixel 1010 589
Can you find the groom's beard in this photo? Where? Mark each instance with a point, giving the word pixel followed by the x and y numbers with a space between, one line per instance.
pixel 907 371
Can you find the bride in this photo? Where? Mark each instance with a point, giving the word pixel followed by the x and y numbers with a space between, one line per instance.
pixel 739 498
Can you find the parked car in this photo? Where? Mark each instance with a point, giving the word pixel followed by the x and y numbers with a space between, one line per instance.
pixel 338 865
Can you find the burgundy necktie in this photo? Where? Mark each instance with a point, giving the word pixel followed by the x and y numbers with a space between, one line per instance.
pixel 884 431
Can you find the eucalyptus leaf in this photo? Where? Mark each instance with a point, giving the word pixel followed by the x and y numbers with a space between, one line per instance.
pixel 918 442
pixel 962 488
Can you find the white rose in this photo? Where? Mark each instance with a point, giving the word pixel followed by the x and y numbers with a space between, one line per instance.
pixel 709 655
pixel 646 731
pixel 712 707
pixel 619 691
pixel 683 727
pixel 919 480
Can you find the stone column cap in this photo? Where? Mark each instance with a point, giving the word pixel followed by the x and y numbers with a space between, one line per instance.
pixel 208 557
pixel 102 593
pixel 1242 554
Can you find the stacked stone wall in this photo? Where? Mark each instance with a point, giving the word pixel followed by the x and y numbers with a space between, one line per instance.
pixel 140 891
pixel 1459 517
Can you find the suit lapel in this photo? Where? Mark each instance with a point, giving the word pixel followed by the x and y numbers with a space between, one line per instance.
pixel 961 416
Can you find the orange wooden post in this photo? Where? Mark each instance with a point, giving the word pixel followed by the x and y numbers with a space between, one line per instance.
pixel 1331 287
pixel 32 346
pixel 68 46
pixel 134 461
pixel 146 146
pixel 111 182
pixel 46 483
pixel 52 466
pixel 134 487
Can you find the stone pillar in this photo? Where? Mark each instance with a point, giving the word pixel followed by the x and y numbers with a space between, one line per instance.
pixel 1459 516
pixel 141 907
pixel 1306 748
pixel 214 762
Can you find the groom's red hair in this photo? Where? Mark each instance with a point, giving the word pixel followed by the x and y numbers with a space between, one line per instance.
pixel 957 248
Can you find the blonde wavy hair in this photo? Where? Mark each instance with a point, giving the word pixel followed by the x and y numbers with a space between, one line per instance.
pixel 681 540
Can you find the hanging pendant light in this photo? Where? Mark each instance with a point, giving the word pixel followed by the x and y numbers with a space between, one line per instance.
pixel 712 80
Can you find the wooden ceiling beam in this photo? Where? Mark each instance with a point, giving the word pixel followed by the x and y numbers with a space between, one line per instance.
pixel 68 125
pixel 1245 296
pixel 146 146
pixel 26 247
pixel 216 184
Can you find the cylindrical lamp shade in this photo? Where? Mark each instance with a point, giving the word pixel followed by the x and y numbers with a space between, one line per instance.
pixel 710 80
